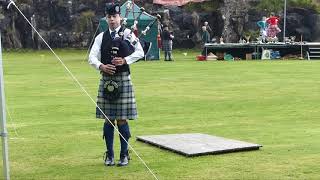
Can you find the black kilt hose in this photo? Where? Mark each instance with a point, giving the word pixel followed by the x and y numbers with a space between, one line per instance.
pixel 122 108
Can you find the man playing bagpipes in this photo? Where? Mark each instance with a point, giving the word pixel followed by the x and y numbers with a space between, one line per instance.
pixel 111 54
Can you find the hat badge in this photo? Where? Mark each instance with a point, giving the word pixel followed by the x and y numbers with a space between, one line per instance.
pixel 117 9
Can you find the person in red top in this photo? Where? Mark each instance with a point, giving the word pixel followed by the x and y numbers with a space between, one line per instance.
pixel 273 20
pixel 273 28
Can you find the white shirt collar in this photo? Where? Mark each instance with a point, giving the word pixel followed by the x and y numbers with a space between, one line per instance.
pixel 117 29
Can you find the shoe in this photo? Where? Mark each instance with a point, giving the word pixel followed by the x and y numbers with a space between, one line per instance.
pixel 108 161
pixel 124 161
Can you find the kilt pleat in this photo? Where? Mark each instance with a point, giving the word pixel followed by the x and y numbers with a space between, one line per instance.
pixel 167 45
pixel 125 106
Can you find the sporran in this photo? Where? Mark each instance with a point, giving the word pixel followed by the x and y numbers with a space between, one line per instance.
pixel 111 90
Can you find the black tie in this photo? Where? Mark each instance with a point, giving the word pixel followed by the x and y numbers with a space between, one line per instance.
pixel 113 34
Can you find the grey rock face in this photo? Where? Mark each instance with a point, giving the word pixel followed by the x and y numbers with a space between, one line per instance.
pixel 235 15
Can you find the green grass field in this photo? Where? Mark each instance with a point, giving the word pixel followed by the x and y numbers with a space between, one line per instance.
pixel 53 133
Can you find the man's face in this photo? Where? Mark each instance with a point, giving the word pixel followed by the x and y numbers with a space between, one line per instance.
pixel 113 21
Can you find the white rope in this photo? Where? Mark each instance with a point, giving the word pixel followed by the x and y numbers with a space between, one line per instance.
pixel 85 91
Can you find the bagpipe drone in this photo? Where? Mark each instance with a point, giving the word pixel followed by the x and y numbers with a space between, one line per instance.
pixel 124 47
pixel 5 3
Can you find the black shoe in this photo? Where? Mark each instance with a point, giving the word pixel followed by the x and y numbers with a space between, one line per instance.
pixel 108 161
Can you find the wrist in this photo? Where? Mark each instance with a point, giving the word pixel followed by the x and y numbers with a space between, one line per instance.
pixel 100 67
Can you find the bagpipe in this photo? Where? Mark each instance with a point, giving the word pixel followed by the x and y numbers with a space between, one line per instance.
pixel 122 47
pixel 5 3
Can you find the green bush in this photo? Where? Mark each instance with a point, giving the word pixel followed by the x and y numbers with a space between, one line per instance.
pixel 24 1
pixel 85 20
pixel 303 3
pixel 271 5
pixel 207 6
pixel 278 5
pixel 253 34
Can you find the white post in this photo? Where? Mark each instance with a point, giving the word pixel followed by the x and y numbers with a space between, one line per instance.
pixel 284 19
pixel 4 133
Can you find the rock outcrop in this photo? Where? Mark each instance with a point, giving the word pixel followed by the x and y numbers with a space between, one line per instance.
pixel 72 23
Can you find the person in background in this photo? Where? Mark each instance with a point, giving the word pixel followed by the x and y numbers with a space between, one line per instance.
pixel 167 38
pixel 206 24
pixel 205 35
pixel 263 29
pixel 273 28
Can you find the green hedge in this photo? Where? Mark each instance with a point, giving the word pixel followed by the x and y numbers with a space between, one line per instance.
pixel 207 6
pixel 278 5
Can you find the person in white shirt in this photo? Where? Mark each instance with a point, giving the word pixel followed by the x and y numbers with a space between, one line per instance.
pixel 116 97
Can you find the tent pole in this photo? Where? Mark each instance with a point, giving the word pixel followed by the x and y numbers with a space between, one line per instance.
pixel 4 133
pixel 284 19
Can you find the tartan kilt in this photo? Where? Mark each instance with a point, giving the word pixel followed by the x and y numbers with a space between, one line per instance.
pixel 122 108
pixel 167 45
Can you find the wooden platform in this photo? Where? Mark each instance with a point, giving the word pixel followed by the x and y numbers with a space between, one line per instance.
pixel 197 144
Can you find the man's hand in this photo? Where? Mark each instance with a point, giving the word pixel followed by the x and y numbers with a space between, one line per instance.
pixel 118 61
pixel 109 68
